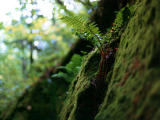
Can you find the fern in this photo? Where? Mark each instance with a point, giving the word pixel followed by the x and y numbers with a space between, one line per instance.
pixel 120 22
pixel 86 28
pixel 69 71
pixel 90 31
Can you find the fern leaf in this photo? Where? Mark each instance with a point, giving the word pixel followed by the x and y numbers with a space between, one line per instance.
pixel 88 29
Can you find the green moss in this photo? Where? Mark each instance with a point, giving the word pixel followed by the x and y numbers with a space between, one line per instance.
pixel 133 90
pixel 80 88
pixel 134 82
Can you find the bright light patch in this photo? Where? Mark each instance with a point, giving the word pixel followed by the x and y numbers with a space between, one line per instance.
pixel 29 20
pixel 8 6
pixel 62 11
pixel 36 43
pixel 27 13
pixel 46 8
pixel 1 77
pixel 29 7
pixel 46 25
pixel 3 47
pixel 35 31
pixel 72 5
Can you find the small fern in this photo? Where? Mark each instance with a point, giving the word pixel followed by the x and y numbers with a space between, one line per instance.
pixel 87 29
pixel 69 71
pixel 120 22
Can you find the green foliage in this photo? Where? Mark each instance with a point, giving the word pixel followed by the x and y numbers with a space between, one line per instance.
pixel 122 18
pixel 12 83
pixel 1 25
pixel 69 71
pixel 85 28
pixel 50 42
pixel 89 30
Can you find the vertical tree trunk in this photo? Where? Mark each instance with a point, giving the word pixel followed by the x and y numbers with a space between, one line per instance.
pixel 31 53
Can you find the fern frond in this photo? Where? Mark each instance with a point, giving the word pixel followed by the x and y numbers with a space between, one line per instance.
pixel 77 22
pixel 88 29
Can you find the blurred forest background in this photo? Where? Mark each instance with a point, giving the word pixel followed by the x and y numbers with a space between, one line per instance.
pixel 32 40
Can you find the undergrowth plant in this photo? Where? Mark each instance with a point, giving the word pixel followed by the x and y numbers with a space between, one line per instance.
pixel 86 29
pixel 69 71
